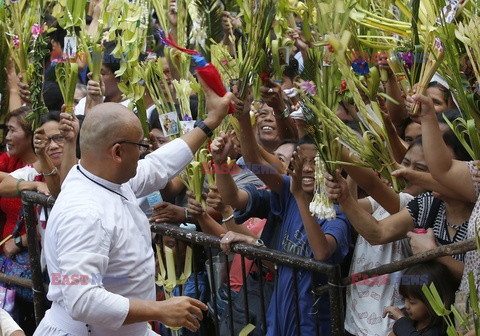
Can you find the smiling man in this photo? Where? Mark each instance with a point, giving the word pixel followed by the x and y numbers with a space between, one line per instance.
pixel 300 234
pixel 266 127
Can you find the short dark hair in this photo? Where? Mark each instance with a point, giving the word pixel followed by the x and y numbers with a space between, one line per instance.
pixel 287 141
pixel 405 124
pixel 21 115
pixel 436 273
pixel 451 115
pixel 109 59
pixel 291 70
pixel 52 96
pixel 458 149
pixel 306 139
pixel 415 143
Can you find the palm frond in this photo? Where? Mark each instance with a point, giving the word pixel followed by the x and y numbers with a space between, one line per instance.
pixel 210 13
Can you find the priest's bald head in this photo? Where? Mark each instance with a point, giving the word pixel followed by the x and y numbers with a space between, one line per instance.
pixel 107 142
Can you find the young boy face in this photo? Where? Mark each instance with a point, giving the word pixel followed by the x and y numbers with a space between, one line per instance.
pixel 309 151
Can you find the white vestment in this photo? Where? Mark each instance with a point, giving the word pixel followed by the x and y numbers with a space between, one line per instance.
pixel 97 230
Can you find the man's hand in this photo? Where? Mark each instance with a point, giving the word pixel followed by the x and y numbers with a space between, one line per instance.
pixel 426 109
pixel 95 90
pixel 296 174
pixel 300 42
pixel 234 237
pixel 172 14
pixel 393 312
pixel 39 142
pixel 181 311
pixel 337 190
pixel 220 147
pixel 69 126
pixel 165 212
pixel 273 96
pixel 214 200
pixel 422 242
pixel 23 91
pixel 10 249
pixel 194 208
pixel 217 107
pixel 227 24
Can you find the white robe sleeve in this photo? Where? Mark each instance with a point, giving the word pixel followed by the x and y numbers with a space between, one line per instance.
pixel 159 167
pixel 83 246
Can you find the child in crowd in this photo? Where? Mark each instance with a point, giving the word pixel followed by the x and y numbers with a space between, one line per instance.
pixel 418 316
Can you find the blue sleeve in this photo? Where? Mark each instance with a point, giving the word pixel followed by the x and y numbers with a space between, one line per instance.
pixel 278 201
pixel 258 204
pixel 339 228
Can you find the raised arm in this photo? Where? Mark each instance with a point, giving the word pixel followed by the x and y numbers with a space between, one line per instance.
pixel 69 127
pixel 227 188
pixel 397 112
pixel 425 181
pixel 375 232
pixel 368 180
pixel 208 224
pixel 251 152
pixel 14 99
pixel 449 172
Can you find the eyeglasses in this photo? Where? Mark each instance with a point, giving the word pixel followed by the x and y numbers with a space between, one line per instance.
pixel 57 138
pixel 141 145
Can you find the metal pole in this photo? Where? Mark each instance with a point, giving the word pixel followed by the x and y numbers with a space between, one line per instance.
pixel 336 301
pixel 34 255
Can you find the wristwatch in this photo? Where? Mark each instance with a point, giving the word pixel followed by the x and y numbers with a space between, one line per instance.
pixel 18 242
pixel 286 111
pixel 200 124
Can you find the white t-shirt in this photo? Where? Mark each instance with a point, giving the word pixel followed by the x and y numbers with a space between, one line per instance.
pixel 365 303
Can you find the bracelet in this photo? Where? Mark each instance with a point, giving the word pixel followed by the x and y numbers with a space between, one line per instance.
pixel 16 186
pixel 187 215
pixel 227 219
pixel 53 172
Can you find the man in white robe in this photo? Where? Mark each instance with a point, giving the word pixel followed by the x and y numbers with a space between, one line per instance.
pixel 98 241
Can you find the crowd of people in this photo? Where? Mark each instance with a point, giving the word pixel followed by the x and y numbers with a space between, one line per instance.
pixel 106 270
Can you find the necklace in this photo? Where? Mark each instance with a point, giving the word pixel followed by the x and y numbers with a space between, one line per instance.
pixel 456 227
pixel 101 185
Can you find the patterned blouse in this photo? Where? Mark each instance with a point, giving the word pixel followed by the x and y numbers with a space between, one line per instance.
pixel 421 207
pixel 472 258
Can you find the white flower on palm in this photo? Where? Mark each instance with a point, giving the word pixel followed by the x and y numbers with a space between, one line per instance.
pixel 198 35
pixel 321 206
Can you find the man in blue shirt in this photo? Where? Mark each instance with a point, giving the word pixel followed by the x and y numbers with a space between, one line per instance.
pixel 301 234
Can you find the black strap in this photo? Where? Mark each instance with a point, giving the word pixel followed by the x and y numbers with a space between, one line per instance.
pixel 18 225
pixel 101 185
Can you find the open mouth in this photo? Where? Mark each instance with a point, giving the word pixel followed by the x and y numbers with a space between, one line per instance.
pixel 308 180
pixel 266 128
